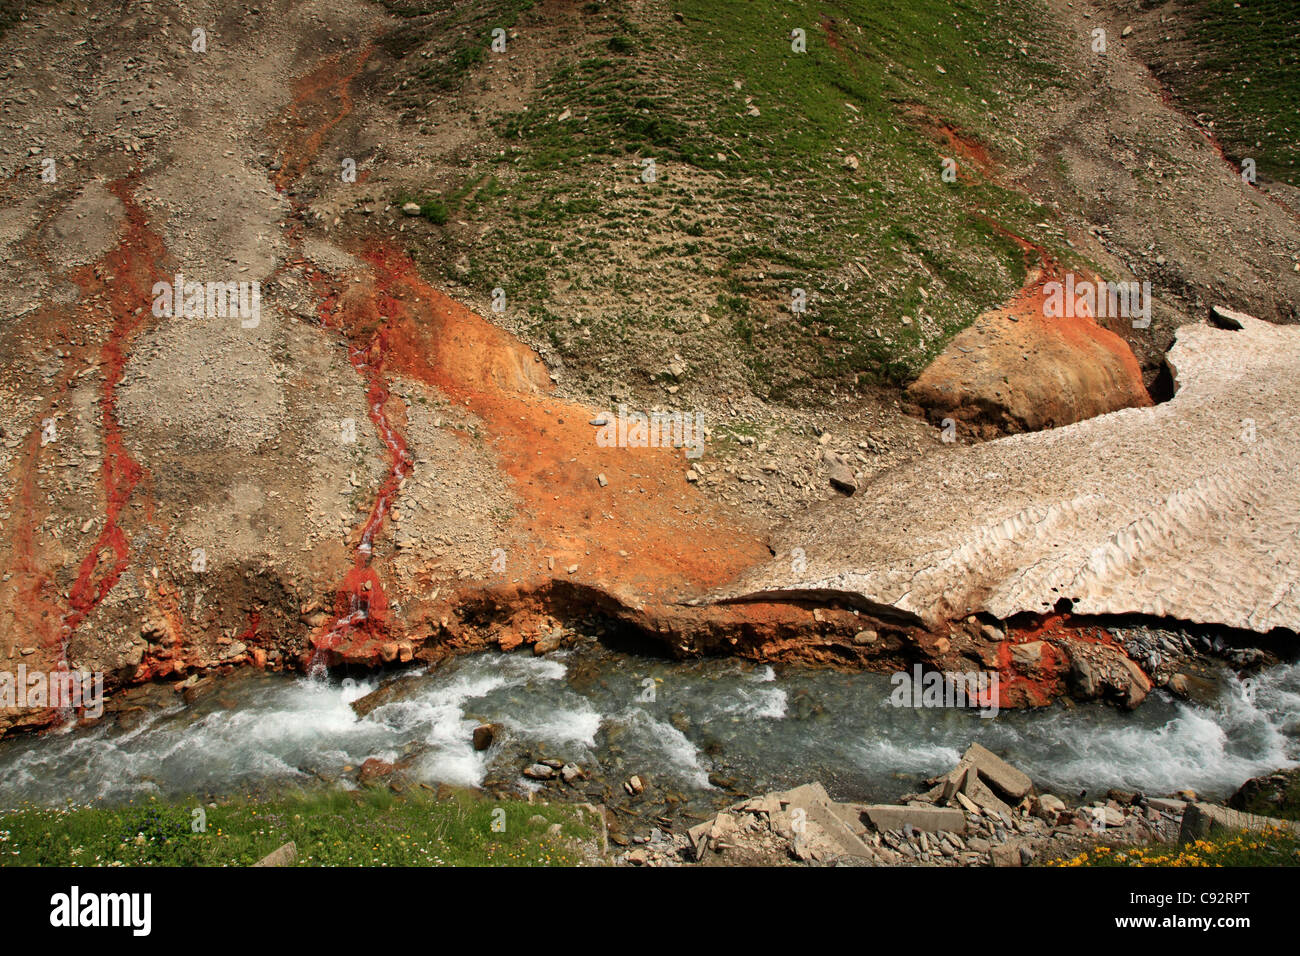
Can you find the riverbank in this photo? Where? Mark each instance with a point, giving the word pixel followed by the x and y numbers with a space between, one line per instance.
pixel 440 826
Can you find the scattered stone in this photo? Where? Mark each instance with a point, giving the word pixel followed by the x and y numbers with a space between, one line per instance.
pixel 1010 782
pixel 411 209
pixel 374 772
pixel 1227 319
pixel 485 735
pixel 1029 654
pixel 842 479
pixel 1274 794
pixel 1005 854
pixel 284 856
pixel 1050 806
pixel 538 771
pixel 391 692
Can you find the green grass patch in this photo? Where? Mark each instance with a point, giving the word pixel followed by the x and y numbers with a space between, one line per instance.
pixel 336 828
pixel 1245 73
pixel 431 207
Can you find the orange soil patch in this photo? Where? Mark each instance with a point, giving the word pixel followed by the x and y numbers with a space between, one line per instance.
pixel 648 534
pixel 113 307
pixel 1045 681
pixel 116 290
pixel 1076 369
pixel 126 297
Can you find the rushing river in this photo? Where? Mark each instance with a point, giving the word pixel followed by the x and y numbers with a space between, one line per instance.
pixel 617 715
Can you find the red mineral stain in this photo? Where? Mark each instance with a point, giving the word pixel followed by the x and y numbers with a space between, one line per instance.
pixel 127 299
pixel 361 604
pixel 321 100
pixel 115 298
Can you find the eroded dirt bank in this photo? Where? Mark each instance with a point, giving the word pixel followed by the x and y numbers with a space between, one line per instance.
pixel 367 471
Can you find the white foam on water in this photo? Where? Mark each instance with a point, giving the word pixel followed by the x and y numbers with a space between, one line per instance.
pixel 435 715
pixel 677 755
pixel 1211 748
pixel 285 730
pixel 559 725
pixel 906 756
pixel 459 766
pixel 750 703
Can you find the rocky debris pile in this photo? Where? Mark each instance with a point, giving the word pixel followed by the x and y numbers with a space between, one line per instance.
pixel 979 784
pixel 983 812
pixel 550 768
pixel 1173 656
pixel 1004 801
pixel 1100 671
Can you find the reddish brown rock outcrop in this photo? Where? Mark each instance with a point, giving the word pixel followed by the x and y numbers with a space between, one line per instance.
pixel 1017 370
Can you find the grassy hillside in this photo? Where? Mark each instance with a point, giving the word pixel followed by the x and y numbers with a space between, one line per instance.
pixel 773 170
pixel 1245 73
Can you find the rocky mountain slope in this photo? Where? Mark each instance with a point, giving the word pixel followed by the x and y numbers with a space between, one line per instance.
pixel 479 229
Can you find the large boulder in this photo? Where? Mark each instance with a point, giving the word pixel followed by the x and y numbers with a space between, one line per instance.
pixel 1016 370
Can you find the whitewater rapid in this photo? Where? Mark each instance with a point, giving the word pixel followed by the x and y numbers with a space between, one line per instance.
pixel 676 722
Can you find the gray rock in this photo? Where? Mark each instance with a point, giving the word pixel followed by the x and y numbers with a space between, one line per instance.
pixel 932 819
pixel 842 479
pixel 1203 819
pixel 1006 779
pixel 284 856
